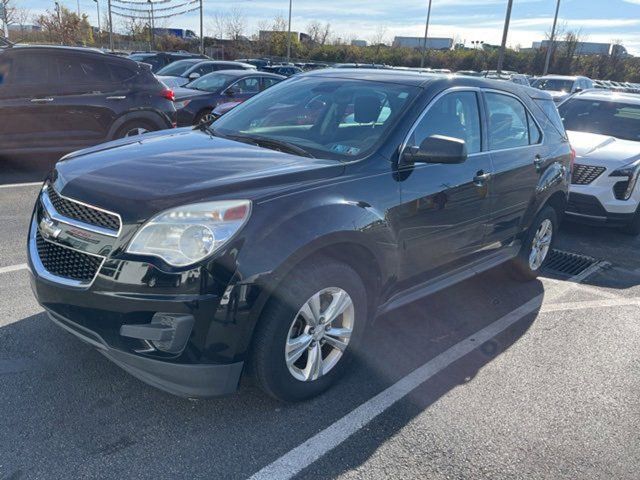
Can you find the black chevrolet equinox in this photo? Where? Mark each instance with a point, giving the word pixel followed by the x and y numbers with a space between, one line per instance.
pixel 268 241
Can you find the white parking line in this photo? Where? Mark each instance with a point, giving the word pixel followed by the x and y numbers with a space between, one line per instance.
pixel 296 460
pixel 29 184
pixel 14 268
pixel 609 302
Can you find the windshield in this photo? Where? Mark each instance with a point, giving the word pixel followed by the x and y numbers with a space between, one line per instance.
pixel 329 118
pixel 176 69
pixel 616 119
pixel 212 82
pixel 554 84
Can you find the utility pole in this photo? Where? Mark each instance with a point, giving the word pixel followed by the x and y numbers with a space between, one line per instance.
pixel 201 31
pixel 552 40
pixel 3 17
pixel 289 34
pixel 98 12
pixel 152 26
pixel 503 45
pixel 426 31
pixel 78 8
pixel 59 23
pixel 110 26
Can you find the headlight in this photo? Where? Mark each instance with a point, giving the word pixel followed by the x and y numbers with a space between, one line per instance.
pixel 631 171
pixel 181 104
pixel 185 235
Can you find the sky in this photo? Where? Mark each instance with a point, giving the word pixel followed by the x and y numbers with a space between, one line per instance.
pixel 464 20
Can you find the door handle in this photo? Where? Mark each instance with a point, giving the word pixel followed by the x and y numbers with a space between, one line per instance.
pixel 480 178
pixel 42 100
pixel 538 162
pixel 117 97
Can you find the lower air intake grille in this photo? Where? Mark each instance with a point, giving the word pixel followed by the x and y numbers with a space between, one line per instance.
pixel 585 174
pixel 67 263
pixel 620 188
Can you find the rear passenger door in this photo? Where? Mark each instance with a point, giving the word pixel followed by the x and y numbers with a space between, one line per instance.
pixel 90 98
pixel 515 143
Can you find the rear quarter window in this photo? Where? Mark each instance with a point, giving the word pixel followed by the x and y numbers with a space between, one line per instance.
pixel 551 116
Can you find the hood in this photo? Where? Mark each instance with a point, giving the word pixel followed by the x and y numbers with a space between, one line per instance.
pixel 172 82
pixel 141 176
pixel 603 150
pixel 181 93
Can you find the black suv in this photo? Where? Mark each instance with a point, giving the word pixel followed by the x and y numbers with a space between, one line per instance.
pixel 58 99
pixel 158 60
pixel 274 236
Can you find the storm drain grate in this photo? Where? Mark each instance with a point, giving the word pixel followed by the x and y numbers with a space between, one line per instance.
pixel 568 263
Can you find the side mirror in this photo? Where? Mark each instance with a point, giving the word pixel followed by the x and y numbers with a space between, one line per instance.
pixel 194 75
pixel 577 90
pixel 436 149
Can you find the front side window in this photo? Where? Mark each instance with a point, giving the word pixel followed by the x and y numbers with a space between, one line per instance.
pixel 247 85
pixel 616 119
pixel 32 69
pixel 176 69
pixel 5 70
pixel 508 123
pixel 329 118
pixel 454 115
pixel 269 82
pixel 210 83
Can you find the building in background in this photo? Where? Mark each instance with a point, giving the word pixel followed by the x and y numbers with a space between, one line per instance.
pixel 176 32
pixel 586 48
pixel 417 42
pixel 14 27
pixel 358 43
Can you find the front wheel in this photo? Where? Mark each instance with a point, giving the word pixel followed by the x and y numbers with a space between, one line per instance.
pixel 537 246
pixel 309 331
pixel 134 128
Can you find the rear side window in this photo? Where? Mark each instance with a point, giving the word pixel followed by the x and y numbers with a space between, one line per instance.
pixel 508 122
pixel 78 70
pixel 454 115
pixel 551 113
pixel 120 73
pixel 268 82
pixel 535 136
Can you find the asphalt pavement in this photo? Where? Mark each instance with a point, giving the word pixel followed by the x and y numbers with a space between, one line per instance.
pixel 487 379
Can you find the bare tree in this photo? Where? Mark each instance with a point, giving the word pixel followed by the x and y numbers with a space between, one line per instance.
pixel 379 37
pixel 22 17
pixel 236 24
pixel 10 11
pixel 218 25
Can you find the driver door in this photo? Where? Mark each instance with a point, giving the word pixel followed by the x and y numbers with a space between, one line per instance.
pixel 444 207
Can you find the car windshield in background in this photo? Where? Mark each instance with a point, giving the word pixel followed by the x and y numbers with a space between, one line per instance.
pixel 554 85
pixel 210 83
pixel 176 69
pixel 616 119
pixel 328 118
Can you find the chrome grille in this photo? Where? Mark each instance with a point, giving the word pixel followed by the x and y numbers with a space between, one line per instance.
pixel 83 213
pixel 65 262
pixel 585 174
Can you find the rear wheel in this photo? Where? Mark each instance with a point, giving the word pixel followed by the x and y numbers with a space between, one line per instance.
pixel 309 331
pixel 537 245
pixel 133 128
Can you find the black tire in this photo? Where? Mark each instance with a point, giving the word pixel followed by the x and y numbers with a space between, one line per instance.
pixel 521 268
pixel 201 116
pixel 123 131
pixel 633 228
pixel 268 350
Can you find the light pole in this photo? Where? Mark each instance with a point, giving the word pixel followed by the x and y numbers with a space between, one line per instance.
pixel 426 31
pixel 98 11
pixel 152 27
pixel 59 22
pixel 289 33
pixel 78 8
pixel 110 26
pixel 503 45
pixel 201 31
pixel 552 39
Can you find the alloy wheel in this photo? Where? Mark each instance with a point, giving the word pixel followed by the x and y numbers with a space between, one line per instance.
pixel 135 131
pixel 541 244
pixel 319 334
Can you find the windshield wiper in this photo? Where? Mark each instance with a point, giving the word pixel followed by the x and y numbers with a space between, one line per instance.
pixel 207 128
pixel 272 143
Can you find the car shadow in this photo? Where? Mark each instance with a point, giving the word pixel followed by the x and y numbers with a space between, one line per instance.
pixel 68 412
pixel 23 169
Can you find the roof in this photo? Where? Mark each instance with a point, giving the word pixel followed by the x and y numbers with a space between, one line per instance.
pixel 560 77
pixel 58 47
pixel 423 79
pixel 609 96
pixel 243 73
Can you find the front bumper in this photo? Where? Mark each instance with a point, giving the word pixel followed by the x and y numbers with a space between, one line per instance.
pixel 199 380
pixel 588 209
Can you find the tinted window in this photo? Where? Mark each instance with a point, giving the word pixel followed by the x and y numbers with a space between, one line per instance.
pixel 32 69
pixel 551 113
pixel 508 123
pixel 210 83
pixel 454 115
pixel 248 85
pixel 617 119
pixel 535 136
pixel 268 82
pixel 554 84
pixel 176 69
pixel 78 70
pixel 203 69
pixel 306 112
pixel 120 73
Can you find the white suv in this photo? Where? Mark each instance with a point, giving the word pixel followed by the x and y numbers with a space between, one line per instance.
pixel 604 129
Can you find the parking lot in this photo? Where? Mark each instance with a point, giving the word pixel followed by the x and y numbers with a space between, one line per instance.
pixel 487 379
